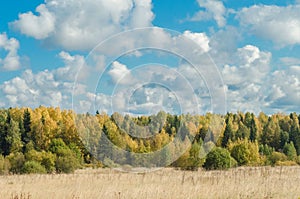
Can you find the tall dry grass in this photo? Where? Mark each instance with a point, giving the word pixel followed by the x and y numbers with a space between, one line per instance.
pixel 244 182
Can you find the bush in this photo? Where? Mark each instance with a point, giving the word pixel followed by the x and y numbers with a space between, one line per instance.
pixel 33 167
pixel 218 158
pixel 4 165
pixel 17 161
pixel 298 159
pixel 245 152
pixel 66 164
pixel 46 159
pixel 276 157
pixel 285 163
pixel 192 159
pixel 233 162
pixel 67 160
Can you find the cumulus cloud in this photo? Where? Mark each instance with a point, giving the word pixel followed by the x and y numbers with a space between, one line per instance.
pixel 200 38
pixel 224 44
pixel 252 65
pixel 72 65
pixel 37 26
pixel 33 90
pixel 49 88
pixel 120 73
pixel 285 91
pixel 12 60
pixel 82 24
pixel 245 79
pixel 279 24
pixel 214 9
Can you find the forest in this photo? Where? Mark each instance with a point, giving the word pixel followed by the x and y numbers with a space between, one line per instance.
pixel 51 140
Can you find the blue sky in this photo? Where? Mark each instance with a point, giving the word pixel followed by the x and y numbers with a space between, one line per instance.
pixel 46 50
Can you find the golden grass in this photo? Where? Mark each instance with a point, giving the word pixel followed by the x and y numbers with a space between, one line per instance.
pixel 243 182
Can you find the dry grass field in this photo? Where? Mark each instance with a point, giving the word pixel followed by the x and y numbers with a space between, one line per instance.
pixel 244 182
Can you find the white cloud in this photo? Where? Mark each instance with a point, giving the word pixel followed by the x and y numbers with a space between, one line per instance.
pixel 245 79
pixel 82 24
pixel 49 88
pixel 278 24
pixel 285 92
pixel 71 68
pixel 247 97
pixel 142 15
pixel 289 61
pixel 12 60
pixel 120 73
pixel 224 44
pixel 39 27
pixel 251 65
pixel 200 38
pixel 214 9
pixel 151 99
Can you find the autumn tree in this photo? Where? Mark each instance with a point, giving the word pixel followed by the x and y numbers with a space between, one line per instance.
pixel 244 152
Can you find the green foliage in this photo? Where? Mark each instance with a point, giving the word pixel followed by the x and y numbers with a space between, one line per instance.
pixel 290 151
pixel 195 160
pixel 295 131
pixel 27 127
pixel 265 150
pixel 58 146
pixel 218 158
pixel 13 138
pixel 271 133
pixel 33 167
pixel 243 131
pixel 276 157
pixel 244 152
pixel 67 160
pixel 66 164
pixel 192 159
pixel 17 161
pixel 46 159
pixel 228 133
pixel 50 136
pixel 4 165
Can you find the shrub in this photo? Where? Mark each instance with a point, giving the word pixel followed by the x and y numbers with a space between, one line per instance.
pixel 218 158
pixel 233 162
pixel 17 161
pixel 46 159
pixel 33 167
pixel 192 159
pixel 245 152
pixel 276 157
pixel 67 160
pixel 4 165
pixel 285 163
pixel 66 164
pixel 298 159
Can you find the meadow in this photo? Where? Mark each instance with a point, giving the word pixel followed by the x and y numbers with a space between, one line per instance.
pixel 241 182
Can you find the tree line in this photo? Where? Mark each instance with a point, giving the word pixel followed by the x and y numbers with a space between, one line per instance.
pixel 51 140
